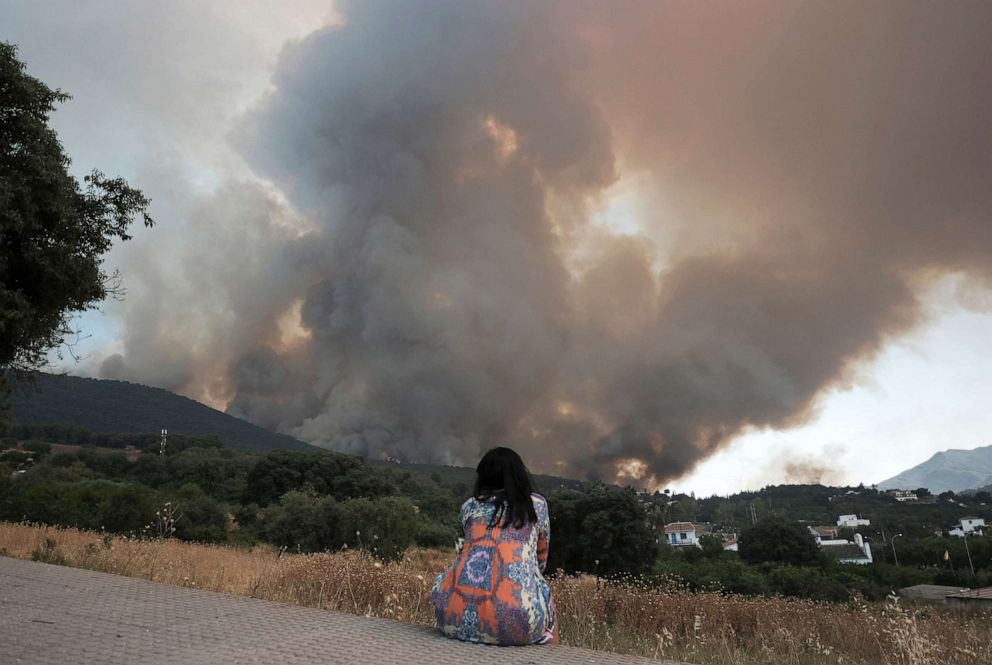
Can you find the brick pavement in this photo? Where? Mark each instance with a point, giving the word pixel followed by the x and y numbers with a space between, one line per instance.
pixel 59 615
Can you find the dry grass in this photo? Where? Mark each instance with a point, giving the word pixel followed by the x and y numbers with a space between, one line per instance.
pixel 627 618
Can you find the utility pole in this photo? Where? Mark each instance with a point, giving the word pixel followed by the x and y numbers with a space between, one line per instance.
pixel 161 446
pixel 970 564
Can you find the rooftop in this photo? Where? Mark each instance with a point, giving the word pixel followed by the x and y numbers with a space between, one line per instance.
pixel 983 594
pixel 845 551
pixel 675 527
pixel 929 591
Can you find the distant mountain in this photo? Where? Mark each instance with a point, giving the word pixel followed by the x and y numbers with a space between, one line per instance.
pixel 130 408
pixel 954 470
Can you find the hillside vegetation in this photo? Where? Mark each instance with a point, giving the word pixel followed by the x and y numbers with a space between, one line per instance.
pixel 202 491
pixel 119 407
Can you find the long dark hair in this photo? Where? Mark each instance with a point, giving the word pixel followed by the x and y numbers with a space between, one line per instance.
pixel 501 477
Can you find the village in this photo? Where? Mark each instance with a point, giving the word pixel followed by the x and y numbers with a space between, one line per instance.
pixel 845 543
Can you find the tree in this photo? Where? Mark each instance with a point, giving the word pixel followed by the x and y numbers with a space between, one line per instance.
pixel 53 233
pixel 711 544
pixel 773 539
pixel 603 530
pixel 385 527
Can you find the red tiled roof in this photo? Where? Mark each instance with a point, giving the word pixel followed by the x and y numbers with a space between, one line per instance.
pixel 675 527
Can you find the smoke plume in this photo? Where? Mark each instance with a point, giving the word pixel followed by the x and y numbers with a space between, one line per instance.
pixel 613 236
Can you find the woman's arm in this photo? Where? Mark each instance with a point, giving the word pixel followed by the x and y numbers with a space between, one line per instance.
pixel 543 536
pixel 466 516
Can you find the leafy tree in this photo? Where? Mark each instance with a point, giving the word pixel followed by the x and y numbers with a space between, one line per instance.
pixel 604 530
pixel 302 521
pixel 711 544
pixel 203 519
pixel 685 509
pixel 53 233
pixel 437 535
pixel 342 476
pixel 385 527
pixel 774 539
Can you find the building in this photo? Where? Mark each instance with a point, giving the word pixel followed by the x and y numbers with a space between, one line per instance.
pixel 844 551
pixel 902 495
pixel 972 524
pixel 828 532
pixel 929 593
pixel 975 597
pixel 852 521
pixel 730 544
pixel 680 534
pixel 968 526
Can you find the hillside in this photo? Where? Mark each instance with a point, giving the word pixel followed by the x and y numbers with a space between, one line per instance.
pixel 954 470
pixel 122 407
pixel 466 475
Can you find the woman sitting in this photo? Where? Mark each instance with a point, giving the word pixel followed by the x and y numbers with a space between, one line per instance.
pixel 495 591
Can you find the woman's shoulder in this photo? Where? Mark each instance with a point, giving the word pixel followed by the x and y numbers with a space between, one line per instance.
pixel 539 499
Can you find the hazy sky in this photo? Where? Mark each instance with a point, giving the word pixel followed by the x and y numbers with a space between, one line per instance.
pixel 740 244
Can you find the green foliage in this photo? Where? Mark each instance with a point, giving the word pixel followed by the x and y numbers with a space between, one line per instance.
pixel 437 535
pixel 87 504
pixel 341 476
pixel 711 545
pixel 386 527
pixel 202 518
pixel 305 522
pixel 54 233
pixel 777 540
pixel 604 531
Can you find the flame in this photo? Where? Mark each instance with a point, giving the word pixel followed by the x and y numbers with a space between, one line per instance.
pixel 634 469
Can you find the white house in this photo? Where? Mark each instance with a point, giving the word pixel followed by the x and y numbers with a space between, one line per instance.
pixel 902 495
pixel 844 551
pixel 968 525
pixel 852 521
pixel 679 534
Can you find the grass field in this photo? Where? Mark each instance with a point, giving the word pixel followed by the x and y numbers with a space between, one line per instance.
pixel 623 617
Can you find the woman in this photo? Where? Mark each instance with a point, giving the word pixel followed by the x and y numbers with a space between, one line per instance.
pixel 495 591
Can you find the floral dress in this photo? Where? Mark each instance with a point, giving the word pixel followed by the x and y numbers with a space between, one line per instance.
pixel 495 591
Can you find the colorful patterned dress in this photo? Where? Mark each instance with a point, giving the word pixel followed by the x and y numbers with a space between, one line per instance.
pixel 495 591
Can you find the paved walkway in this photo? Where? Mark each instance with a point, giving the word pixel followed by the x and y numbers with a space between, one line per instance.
pixel 60 615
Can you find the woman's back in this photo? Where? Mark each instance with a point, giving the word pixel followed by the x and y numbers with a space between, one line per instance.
pixel 495 591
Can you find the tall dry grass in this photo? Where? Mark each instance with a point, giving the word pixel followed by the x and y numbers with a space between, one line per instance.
pixel 705 628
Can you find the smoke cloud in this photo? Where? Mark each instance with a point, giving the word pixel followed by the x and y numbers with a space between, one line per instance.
pixel 612 236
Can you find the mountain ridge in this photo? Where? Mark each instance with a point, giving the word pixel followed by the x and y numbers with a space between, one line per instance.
pixel 122 407
pixel 955 469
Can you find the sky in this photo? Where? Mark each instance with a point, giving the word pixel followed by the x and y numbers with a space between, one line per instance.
pixel 707 248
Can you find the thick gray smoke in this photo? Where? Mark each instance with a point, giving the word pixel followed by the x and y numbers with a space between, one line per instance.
pixel 426 275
